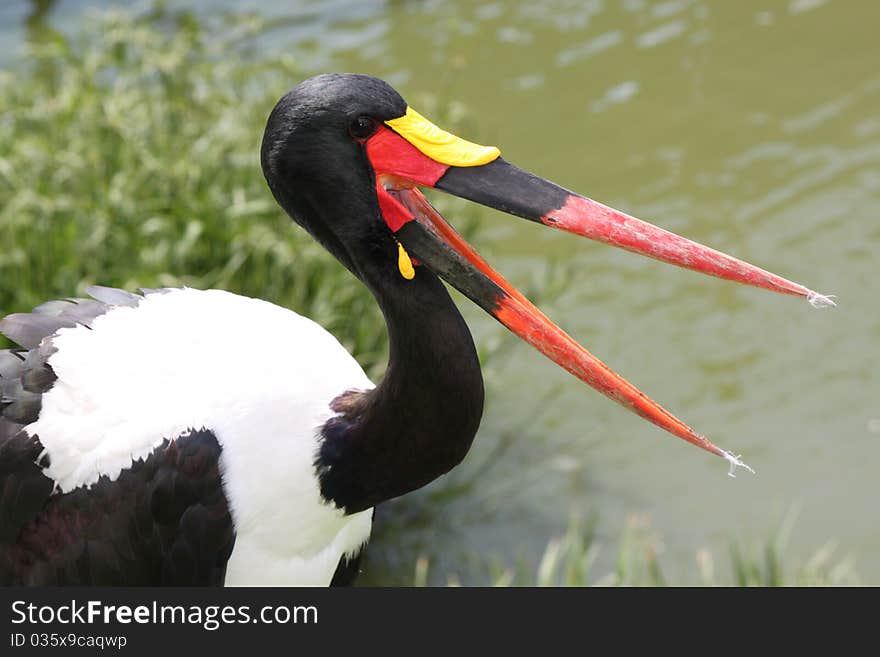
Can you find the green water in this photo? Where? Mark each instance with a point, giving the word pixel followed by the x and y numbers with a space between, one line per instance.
pixel 753 127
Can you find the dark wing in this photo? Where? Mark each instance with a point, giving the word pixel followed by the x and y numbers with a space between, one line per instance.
pixel 164 521
pixel 24 489
pixel 24 376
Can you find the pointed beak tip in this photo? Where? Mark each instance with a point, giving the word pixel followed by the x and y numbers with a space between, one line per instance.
pixel 735 462
pixel 821 300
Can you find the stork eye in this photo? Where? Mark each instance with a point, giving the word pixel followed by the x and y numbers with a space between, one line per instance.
pixel 362 127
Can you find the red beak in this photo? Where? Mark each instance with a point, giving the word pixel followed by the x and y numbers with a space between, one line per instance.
pixel 400 167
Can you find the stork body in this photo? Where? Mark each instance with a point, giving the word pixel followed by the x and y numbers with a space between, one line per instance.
pixel 199 437
pixel 168 370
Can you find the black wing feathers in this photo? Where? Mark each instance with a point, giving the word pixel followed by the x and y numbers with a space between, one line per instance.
pixel 24 488
pixel 164 521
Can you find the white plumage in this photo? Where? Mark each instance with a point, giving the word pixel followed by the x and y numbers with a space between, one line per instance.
pixel 259 376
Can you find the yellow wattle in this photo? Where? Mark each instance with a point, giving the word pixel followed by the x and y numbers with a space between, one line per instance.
pixel 404 264
pixel 439 145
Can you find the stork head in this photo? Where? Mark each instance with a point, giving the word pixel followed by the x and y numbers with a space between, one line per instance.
pixel 346 157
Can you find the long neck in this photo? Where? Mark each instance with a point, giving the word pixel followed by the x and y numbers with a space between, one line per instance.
pixel 420 421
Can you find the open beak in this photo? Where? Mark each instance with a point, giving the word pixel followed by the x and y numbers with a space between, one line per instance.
pixel 410 151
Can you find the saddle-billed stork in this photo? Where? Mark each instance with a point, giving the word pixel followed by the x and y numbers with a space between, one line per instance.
pixel 188 437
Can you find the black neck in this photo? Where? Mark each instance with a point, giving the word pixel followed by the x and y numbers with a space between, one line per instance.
pixel 420 421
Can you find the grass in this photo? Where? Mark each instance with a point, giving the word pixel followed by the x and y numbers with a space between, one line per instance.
pixel 129 157
pixel 574 558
